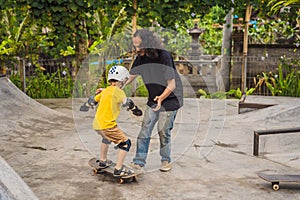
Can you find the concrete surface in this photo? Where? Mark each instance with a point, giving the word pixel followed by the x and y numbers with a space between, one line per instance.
pixel 49 142
pixel 11 184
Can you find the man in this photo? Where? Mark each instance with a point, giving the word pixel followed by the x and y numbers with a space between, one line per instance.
pixel 156 67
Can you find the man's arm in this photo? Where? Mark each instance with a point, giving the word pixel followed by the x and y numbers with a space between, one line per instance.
pixel 131 78
pixel 169 89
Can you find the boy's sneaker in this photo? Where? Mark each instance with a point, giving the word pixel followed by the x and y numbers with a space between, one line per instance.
pixel 136 167
pixel 104 164
pixel 122 172
pixel 165 166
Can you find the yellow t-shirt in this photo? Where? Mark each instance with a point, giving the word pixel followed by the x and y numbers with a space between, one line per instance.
pixel 109 107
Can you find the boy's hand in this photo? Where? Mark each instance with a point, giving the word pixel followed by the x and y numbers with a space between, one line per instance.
pixel 84 107
pixel 137 112
pixel 131 106
pixel 91 101
pixel 99 90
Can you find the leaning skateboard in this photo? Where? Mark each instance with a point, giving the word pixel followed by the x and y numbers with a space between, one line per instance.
pixel 275 179
pixel 110 171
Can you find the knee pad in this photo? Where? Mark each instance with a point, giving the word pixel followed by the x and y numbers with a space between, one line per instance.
pixel 125 145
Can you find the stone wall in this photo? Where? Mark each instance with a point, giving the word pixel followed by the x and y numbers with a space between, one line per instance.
pixel 260 58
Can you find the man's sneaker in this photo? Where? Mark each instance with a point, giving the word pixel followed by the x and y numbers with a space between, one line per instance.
pixel 104 164
pixel 165 166
pixel 136 167
pixel 122 172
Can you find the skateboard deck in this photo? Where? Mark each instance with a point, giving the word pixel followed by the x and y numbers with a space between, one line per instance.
pixel 275 179
pixel 110 171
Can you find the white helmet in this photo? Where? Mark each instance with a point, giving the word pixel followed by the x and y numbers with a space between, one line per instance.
pixel 118 72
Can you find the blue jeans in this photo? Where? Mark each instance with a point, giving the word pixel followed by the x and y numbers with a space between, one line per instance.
pixel 165 120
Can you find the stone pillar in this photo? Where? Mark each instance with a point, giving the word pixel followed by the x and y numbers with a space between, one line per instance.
pixel 195 32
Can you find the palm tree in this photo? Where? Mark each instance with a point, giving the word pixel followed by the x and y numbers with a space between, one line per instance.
pixel 12 32
pixel 276 5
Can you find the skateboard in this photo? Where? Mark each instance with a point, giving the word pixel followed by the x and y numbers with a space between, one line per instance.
pixel 110 171
pixel 275 179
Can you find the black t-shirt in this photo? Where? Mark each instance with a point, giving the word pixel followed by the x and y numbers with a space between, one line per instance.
pixel 155 73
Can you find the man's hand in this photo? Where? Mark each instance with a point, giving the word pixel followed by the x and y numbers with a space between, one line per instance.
pixel 131 78
pixel 158 105
pixel 168 90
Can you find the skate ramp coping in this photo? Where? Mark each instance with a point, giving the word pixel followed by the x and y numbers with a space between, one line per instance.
pixel 12 187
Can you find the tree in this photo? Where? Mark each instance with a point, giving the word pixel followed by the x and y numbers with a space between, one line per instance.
pixel 276 5
pixel 72 23
pixel 223 84
pixel 288 10
pixel 66 21
pixel 168 13
pixel 19 37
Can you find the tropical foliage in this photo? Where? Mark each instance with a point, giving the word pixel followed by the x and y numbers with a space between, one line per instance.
pixel 280 21
pixel 34 29
pixel 284 82
pixel 55 85
pixel 211 39
pixel 277 5
pixel 233 93
pixel 58 28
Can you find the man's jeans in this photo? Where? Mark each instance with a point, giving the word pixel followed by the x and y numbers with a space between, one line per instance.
pixel 165 120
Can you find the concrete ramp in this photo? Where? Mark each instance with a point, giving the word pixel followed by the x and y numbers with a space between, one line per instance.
pixel 45 149
pixel 21 118
pixel 12 187
pixel 14 101
pixel 19 113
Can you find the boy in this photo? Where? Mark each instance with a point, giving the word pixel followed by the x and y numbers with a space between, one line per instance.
pixel 109 104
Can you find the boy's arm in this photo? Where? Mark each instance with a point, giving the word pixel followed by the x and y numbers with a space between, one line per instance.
pixel 92 101
pixel 99 90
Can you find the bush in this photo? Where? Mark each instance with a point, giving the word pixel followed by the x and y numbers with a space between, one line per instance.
pixel 286 82
pixel 57 85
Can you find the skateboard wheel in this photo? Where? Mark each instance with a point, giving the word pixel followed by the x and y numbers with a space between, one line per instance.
pixel 95 171
pixel 120 181
pixel 275 187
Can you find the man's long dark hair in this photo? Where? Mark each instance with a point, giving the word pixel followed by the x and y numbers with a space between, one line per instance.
pixel 150 42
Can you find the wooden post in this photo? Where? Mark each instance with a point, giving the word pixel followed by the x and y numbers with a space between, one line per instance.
pixel 245 48
pixel 134 16
pixel 22 71
pixel 256 143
